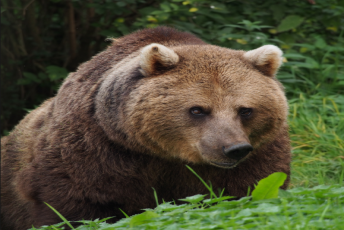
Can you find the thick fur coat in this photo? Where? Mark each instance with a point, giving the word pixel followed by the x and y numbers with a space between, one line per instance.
pixel 132 117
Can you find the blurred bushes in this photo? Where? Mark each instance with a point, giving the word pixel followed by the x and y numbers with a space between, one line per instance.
pixel 43 40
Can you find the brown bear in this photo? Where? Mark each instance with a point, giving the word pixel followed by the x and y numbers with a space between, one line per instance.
pixel 132 117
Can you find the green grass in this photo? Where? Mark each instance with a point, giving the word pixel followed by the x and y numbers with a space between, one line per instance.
pixel 321 207
pixel 317 134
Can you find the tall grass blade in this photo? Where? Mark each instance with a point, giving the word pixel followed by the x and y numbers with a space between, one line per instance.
pixel 205 184
pixel 59 214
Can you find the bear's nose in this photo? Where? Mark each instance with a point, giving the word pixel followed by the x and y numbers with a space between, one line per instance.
pixel 237 151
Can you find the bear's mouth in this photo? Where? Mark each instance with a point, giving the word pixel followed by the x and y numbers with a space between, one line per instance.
pixel 226 165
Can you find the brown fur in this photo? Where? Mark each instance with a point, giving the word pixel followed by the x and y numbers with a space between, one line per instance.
pixel 112 133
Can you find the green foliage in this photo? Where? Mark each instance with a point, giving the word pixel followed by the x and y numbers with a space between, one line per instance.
pixel 268 188
pixel 317 134
pixel 289 23
pixel 300 208
pixel 142 218
pixel 193 199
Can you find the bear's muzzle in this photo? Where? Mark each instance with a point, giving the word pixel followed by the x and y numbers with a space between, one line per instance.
pixel 238 151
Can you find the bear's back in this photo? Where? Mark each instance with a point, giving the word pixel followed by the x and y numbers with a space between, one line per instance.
pixel 124 46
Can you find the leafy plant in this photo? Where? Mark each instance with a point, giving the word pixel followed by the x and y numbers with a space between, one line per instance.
pixel 318 208
pixel 267 188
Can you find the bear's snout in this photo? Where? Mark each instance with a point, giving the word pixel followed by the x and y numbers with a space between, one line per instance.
pixel 238 151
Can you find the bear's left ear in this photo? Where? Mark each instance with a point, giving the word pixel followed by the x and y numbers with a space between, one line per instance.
pixel 155 56
pixel 267 59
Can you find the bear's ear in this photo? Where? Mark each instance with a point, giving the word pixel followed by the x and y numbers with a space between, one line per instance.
pixel 155 56
pixel 267 59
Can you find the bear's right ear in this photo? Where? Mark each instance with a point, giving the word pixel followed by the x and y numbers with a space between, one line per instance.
pixel 267 59
pixel 155 55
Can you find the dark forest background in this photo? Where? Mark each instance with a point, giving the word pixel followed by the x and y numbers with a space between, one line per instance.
pixel 43 40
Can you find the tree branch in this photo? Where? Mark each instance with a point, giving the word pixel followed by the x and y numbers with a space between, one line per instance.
pixel 31 24
pixel 71 27
pixel 27 5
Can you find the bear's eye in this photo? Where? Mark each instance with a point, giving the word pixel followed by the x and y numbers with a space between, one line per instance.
pixel 245 112
pixel 197 111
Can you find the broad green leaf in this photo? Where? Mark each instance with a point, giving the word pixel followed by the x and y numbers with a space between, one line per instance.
pixel 194 199
pixel 320 42
pixel 290 22
pixel 174 6
pixel 142 218
pixel 165 7
pixel 243 213
pixel 233 203
pixel 168 207
pixel 266 208
pixel 215 200
pixel 267 188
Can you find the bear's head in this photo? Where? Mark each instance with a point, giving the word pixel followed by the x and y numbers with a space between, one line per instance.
pixel 198 103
